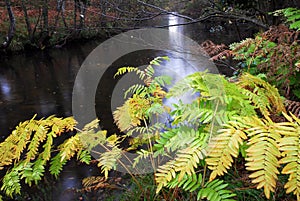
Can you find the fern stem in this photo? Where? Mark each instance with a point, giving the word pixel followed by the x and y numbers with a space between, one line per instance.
pixel 213 121
pixel 150 146
pixel 124 166
pixel 252 57
pixel 204 174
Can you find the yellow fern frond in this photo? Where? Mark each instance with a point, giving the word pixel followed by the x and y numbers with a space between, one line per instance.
pixel 242 44
pixel 123 70
pixel 70 147
pixel 14 145
pixel 223 147
pixel 108 160
pixel 290 148
pixel 124 119
pixel 263 153
pixel 40 136
pixel 263 95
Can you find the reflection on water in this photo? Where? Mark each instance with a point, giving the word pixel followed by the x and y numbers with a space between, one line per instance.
pixel 39 83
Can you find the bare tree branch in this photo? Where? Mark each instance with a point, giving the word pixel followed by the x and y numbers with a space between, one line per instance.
pixel 165 11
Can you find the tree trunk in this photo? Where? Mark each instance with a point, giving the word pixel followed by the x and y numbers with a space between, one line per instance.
pixel 45 16
pixel 75 15
pixel 12 26
pixel 28 26
pixel 82 7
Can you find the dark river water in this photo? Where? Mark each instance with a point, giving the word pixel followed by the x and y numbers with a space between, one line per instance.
pixel 42 83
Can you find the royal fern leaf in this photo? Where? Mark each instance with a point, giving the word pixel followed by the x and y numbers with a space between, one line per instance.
pixel 215 191
pixel 263 95
pixel 56 165
pixel 263 153
pixel 108 160
pixel 11 181
pixel 289 146
pixel 187 182
pixel 185 162
pixel 223 147
pixel 40 136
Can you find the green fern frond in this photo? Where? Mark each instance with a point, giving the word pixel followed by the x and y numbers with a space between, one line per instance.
pixel 215 190
pixel 164 139
pixel 162 80
pixel 56 165
pixel 84 156
pixel 11 181
pixel 141 130
pixel 178 138
pixel 187 183
pixel 223 147
pixel 185 162
pixel 292 16
pixel 136 89
pixel 32 172
pixel 263 153
pixel 289 145
pixel 244 43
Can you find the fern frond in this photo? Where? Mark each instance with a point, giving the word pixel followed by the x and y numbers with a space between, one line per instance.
pixel 11 181
pixel 178 138
pixel 67 150
pixel 289 146
pixel 136 89
pixel 244 44
pixel 142 154
pixel 264 96
pixel 39 136
pixel 108 160
pixel 185 162
pixel 215 190
pixel 225 54
pixel 90 139
pixel 187 183
pixel 293 107
pixel 84 156
pixel 32 172
pixel 123 70
pixel 56 165
pixel 123 117
pixel 263 153
pixel 13 146
pixel 223 147
pixel 46 154
pixel 141 130
pixel 162 80
pixel 70 147
pixel 94 183
pixel 292 15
